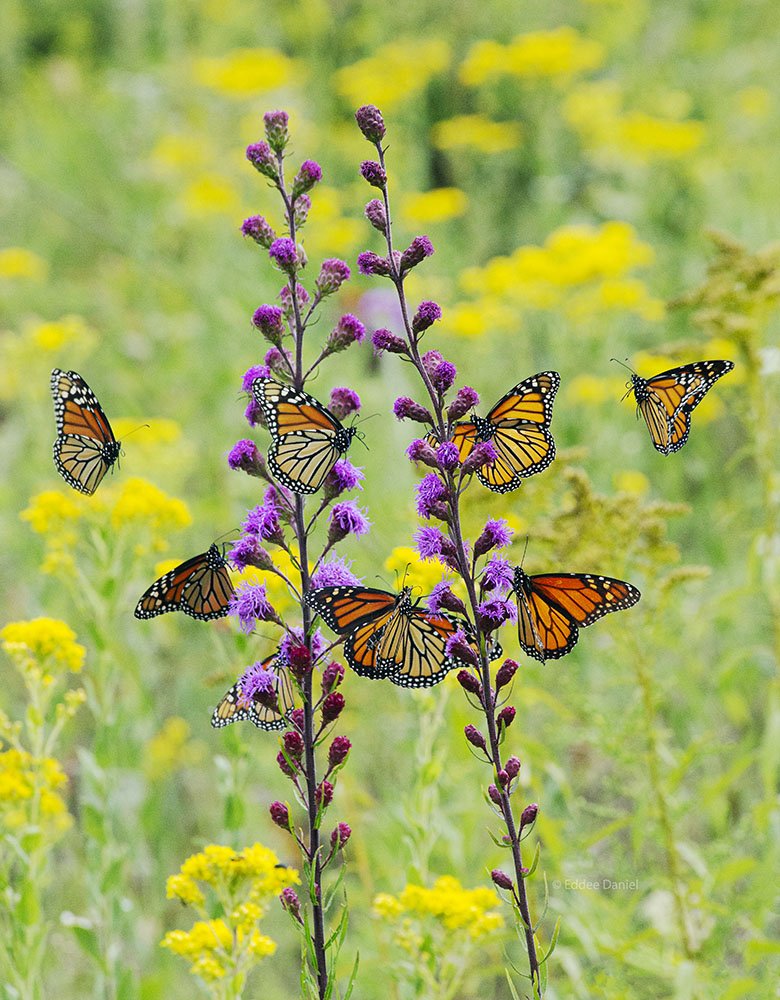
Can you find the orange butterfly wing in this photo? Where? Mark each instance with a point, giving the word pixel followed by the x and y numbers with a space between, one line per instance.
pixel 200 587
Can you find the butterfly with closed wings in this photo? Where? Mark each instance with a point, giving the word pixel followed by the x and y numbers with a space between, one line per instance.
pixel 85 448
pixel 518 427
pixel 200 587
pixel 667 400
pixel 387 635
pixel 552 607
pixel 234 707
pixel 306 439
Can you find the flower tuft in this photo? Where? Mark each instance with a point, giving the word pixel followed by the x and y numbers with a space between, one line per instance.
pixel 260 156
pixel 244 455
pixel 284 254
pixel 426 315
pixel 250 604
pixel 343 476
pixel 343 402
pixel 466 399
pixel 447 456
pixel 420 248
pixel 431 491
pixel 375 213
pixel 370 123
pixel 442 598
pixel 384 340
pixel 333 274
pixel 349 330
pixel 257 228
pixel 495 534
pixel 276 130
pixel 336 572
pixel 420 451
pixel 370 263
pixel 309 175
pixel 269 320
pixel 347 518
pixel 372 172
pixel 459 648
pixel 405 408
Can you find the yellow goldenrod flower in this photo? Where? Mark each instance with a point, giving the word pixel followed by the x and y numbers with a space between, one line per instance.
pixel 177 153
pixel 452 906
pixel 246 72
pixel 25 780
pixel 477 132
pixel 16 262
pixel 387 906
pixel 171 749
pixel 595 389
pixel 45 639
pixel 393 73
pixel 405 562
pixel 51 512
pixel 646 138
pixel 183 887
pixel 139 501
pixel 561 52
pixel 437 205
pixel 210 194
pixel 154 431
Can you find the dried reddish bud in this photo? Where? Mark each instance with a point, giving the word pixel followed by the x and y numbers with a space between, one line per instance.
pixel 505 673
pixel 469 682
pixel 291 903
pixel 299 662
pixel 505 717
pixel 323 796
pixel 280 814
pixel 293 744
pixel 420 451
pixel 475 737
pixel 512 767
pixel 332 676
pixel 502 778
pixel 332 707
pixel 420 248
pixel 529 815
pixel 338 752
pixel 451 602
pixel 501 879
pixel 284 766
pixel 340 836
pixel 296 718
pixel 494 794
pixel 440 511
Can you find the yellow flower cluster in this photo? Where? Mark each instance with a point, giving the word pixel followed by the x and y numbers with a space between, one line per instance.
pixel 594 110
pixel 437 205
pixel 48 641
pixel 246 72
pixel 210 193
pixel 581 270
pixel 26 358
pixel 411 570
pixel 455 908
pixel 29 793
pixel 16 262
pixel 171 749
pixel 561 52
pixel 476 132
pixel 394 72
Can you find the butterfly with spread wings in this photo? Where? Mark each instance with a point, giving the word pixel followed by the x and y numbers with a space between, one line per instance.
pixel 518 427
pixel 387 635
pixel 552 607
pixel 200 587
pixel 85 448
pixel 306 439
pixel 234 707
pixel 667 400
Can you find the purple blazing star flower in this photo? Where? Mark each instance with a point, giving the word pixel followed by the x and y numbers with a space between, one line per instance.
pixel 375 213
pixel 336 572
pixel 430 491
pixel 333 274
pixel 370 123
pixel 309 174
pixel 269 320
pixel 483 453
pixel 343 401
pixel 495 535
pixel 276 129
pixel 347 518
pixel 405 408
pixel 447 456
pixel 441 598
pixel 384 340
pixel 260 156
pixel 427 314
pixel 492 614
pixel 443 376
pixel 250 605
pixel 372 172
pixel 459 648
pixel 243 455
pixel 284 254
pixel 370 263
pixel 420 248
pixel 302 209
pixel 278 360
pixel 343 476
pixel 257 679
pixel 348 331
pixel 498 575
pixel 247 551
pixel 466 399
pixel 420 451
pixel 254 414
pixel 430 542
pixel 294 638
pixel 263 520
pixel 258 228
pixel 256 371
pixel 286 298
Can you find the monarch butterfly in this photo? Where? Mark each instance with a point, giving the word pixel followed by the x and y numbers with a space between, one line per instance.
pixel 517 426
pixel 233 707
pixel 85 448
pixel 666 401
pixel 306 437
pixel 551 608
pixel 200 587
pixel 388 635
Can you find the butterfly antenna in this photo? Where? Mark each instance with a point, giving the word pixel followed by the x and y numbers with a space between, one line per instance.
pixel 525 549
pixel 138 428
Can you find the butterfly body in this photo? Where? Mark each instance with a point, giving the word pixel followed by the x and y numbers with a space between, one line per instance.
pixel 667 400
pixel 552 607
pixel 387 635
pixel 306 438
pixel 234 707
pixel 85 447
pixel 200 587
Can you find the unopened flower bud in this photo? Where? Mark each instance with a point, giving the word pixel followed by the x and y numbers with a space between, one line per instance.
pixel 483 453
pixel 373 173
pixel 375 213
pixel 309 175
pixel 420 451
pixel 295 718
pixel 280 814
pixel 427 314
pixel 333 274
pixel 406 409
pixel 332 676
pixel 505 673
pixel 301 210
pixel 291 903
pixel 284 254
pixel 340 836
pixel 338 751
pixel 475 737
pixel 270 322
pixel 469 682
pixel 466 399
pixel 451 602
pixel 494 795
pixel 349 330
pixel 323 796
pixel 276 131
pixel 258 229
pixel 332 707
pixel 285 766
pixel 371 263
pixel 384 340
pixel 293 744
pixel 505 717
pixel 420 248
pixel 260 156
pixel 529 815
pixel 512 767
pixel 448 456
pixel 370 123
pixel 299 662
pixel 502 778
pixel 501 879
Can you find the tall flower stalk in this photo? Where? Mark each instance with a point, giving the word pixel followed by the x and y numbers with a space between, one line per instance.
pixel 486 582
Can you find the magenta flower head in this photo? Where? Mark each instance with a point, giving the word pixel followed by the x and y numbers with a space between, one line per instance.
pixel 343 476
pixel 276 131
pixel 370 263
pixel 343 402
pixel 492 614
pixel 332 707
pixel 323 794
pixel 370 123
pixel 483 453
pixel 255 372
pixel 372 172
pixel 443 376
pixel 291 903
pixel 431 360
pixel 258 683
pixel 505 718
pixel 340 836
pixel 299 662
pixel 466 400
pixel 286 296
pixel 302 209
pixel 469 683
pixel 309 175
pixel 254 414
pixel 332 676
pixel 257 228
pixel 498 574
pixel 475 737
pixel 384 340
pixel 347 518
pixel 375 213
pixel 431 543
pixel 295 638
pixel 260 156
pixel 251 605
pixel 280 814
pixel 505 673
pixel 406 409
pixel 269 320
pixel 263 520
pixel 278 359
pixel 348 331
pixel 338 752
pixel 333 274
pixel 447 456
pixel 283 253
pixel 287 767
pixel 459 648
pixel 441 598
pixel 293 744
pixel 420 248
pixel 247 551
pixel 431 492
pixel 496 534
pixel 512 768
pixel 245 456
pixel 529 815
pixel 501 879
pixel 426 315
pixel 420 451
pixel 336 572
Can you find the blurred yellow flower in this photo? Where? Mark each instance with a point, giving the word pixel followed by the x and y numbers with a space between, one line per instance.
pixel 756 102
pixel 631 481
pixel 210 194
pixel 411 570
pixel 561 52
pixel 139 501
pixel 171 749
pixel 437 205
pixel 278 592
pixel 51 512
pixel 473 910
pixel 646 138
pixel 477 132
pixel 246 72
pixel 29 794
pixel 395 71
pixel 327 230
pixel 16 262
pixel 26 357
pixel 47 640
pixel 176 153
pixel 594 389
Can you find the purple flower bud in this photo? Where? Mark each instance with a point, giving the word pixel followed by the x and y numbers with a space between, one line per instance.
pixel 505 718
pixel 245 456
pixel 406 409
pixel 248 552
pixel 343 402
pixel 444 376
pixel 373 173
pixel 501 879
pixel 459 648
pixel 496 534
pixel 286 768
pixel 254 414
pixel 333 274
pixel 301 210
pixel 430 492
pixel 375 213
pixel 383 340
pixel 260 156
pixel 347 518
pixel 291 903
pixel 371 263
pixel 420 248
pixel 441 597
pixel 483 453
pixel 279 360
pixel 475 737
pixel 276 131
pixel 447 456
pixel 332 706
pixel 343 476
pixel 370 123
pixel 494 795
pixel 420 451
pixel 295 718
pixel 293 744
pixel 502 778
pixel 309 175
pixel 348 331
pixel 529 815
pixel 340 836
pixel 323 796
pixel 512 767
pixel 427 313
pixel 505 673
pixel 338 751
pixel 282 252
pixel 299 662
pixel 286 297
pixel 269 320
pixel 258 229
pixel 431 360
pixel 334 572
pixel 470 683
pixel 280 814
pixel 466 400
pixel 332 676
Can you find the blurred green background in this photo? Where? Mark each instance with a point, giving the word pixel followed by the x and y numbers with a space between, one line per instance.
pixel 567 161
